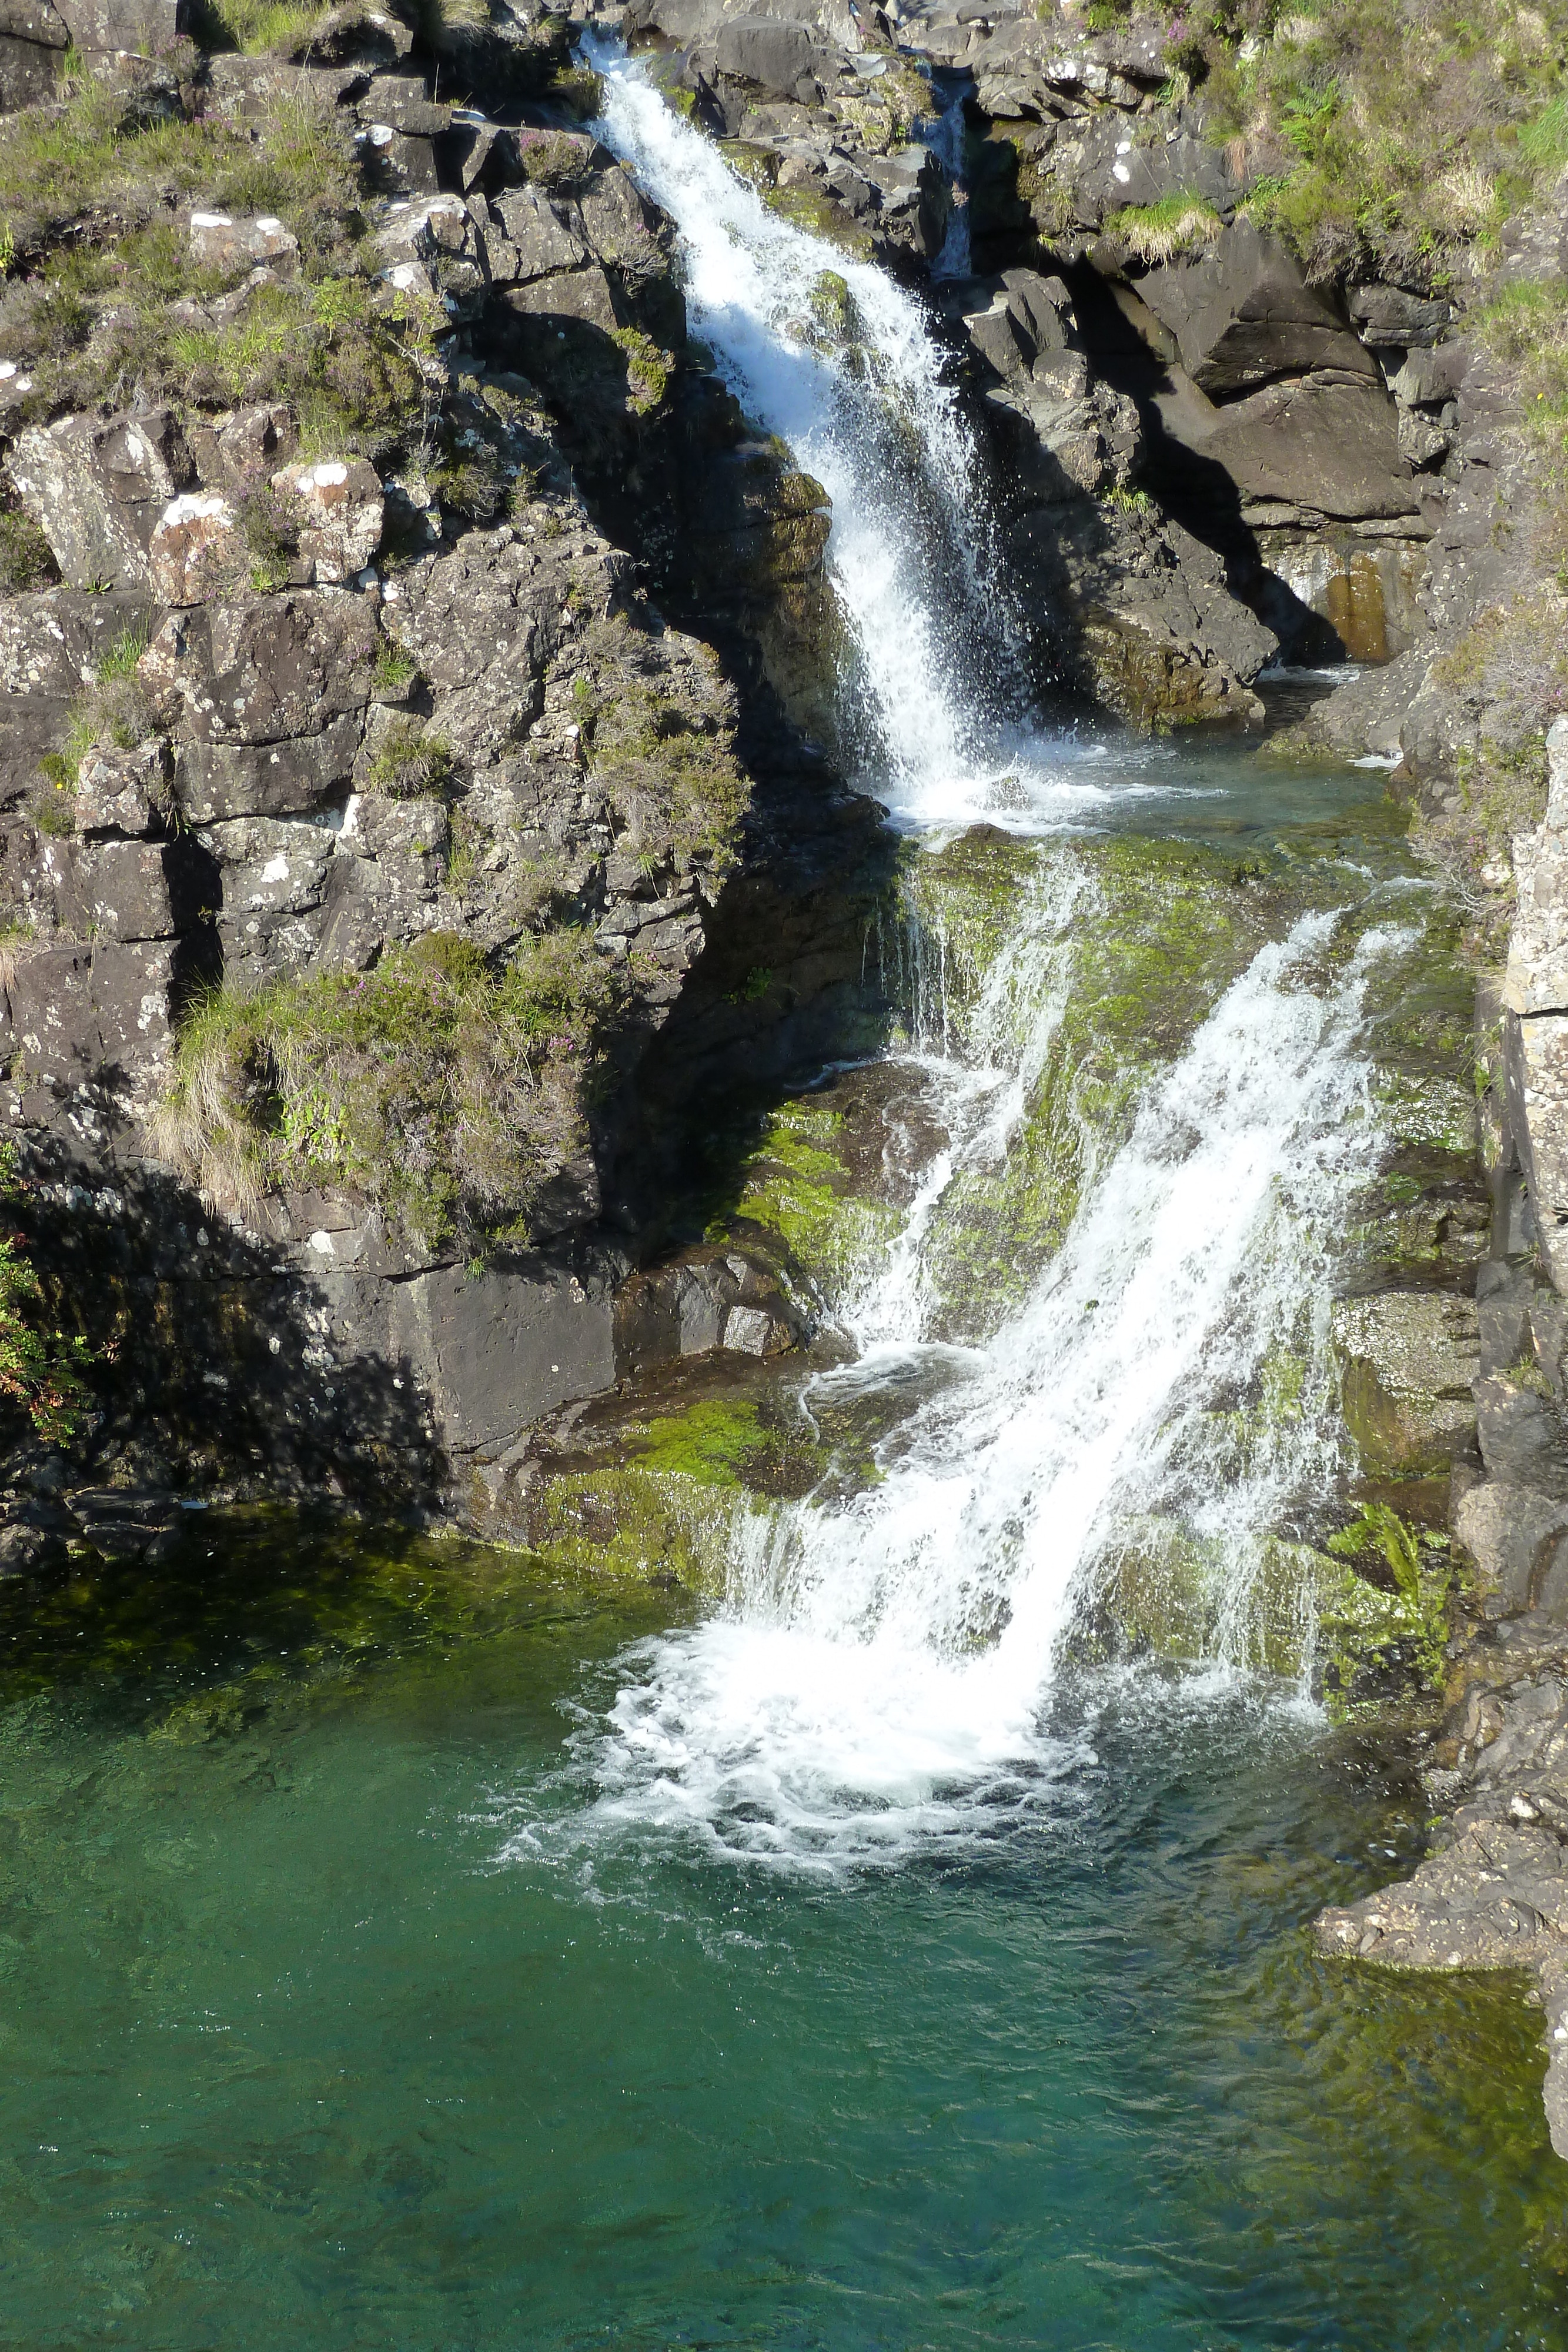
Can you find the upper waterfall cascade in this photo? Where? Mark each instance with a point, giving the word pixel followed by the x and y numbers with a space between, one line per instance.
pixel 843 366
pixel 880 1670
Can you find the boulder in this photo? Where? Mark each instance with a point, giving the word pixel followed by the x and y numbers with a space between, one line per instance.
pixel 145 27
pixel 96 1016
pixel 436 245
pixel 390 861
pixel 1510 1532
pixel 1324 443
pixel 541 242
pixel 582 296
pixel 114 890
pixel 1387 318
pixel 403 102
pixel 219 241
pixel 97 486
pixel 497 1350
pixel 915 199
pixel 481 157
pixel 255 88
pixel 1409 1360
pixel 119 792
pixel 398 162
pixel 618 224
pixel 358 32
pixel 1537 976
pixel 1429 378
pixel 1244 314
pixel 1521 1436
pixel 36 22
pixel 257 436
pixel 51 643
pixel 777 53
pixel 340 505
pixel 274 878
pixel 1535 1063
pixel 1148 172
pixel 28 73
pixel 194 549
pixel 1027 315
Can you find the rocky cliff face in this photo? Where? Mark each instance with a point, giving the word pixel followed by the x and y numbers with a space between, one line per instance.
pixel 365 820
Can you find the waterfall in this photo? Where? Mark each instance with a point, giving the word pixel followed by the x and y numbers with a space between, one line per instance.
pixel 881 1670
pixel 978 1095
pixel 846 367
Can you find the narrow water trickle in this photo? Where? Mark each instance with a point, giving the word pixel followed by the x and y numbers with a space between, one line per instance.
pixel 881 1671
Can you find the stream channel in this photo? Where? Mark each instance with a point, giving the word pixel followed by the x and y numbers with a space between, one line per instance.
pixel 848 1885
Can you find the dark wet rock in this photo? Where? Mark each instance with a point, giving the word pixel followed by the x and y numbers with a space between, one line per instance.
pixel 495 1352
pixel 1329 443
pixel 709 1299
pixel 1244 314
pixel 778 52
pixel 1389 317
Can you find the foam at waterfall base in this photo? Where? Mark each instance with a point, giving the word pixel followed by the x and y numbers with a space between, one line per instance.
pixel 779 1743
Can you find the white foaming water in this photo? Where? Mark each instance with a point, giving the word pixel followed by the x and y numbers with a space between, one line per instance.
pixel 879 1674
pixel 857 390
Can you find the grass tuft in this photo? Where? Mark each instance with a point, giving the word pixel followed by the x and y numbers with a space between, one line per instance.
pixel 446 1093
pixel 1158 233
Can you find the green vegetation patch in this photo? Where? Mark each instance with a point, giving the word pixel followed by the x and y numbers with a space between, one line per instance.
pixel 635 1520
pixel 1387 1611
pixel 795 1183
pixel 43 1371
pixel 104 301
pixel 1394 131
pixel 712 1441
pixel 821 217
pixel 448 1093
pixel 665 761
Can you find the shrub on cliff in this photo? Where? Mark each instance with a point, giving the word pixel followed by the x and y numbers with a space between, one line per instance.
pixel 287 28
pixel 42 1371
pixel 448 1093
pixel 666 765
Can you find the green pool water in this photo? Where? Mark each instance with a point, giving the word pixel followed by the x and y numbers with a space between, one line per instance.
pixel 336 2013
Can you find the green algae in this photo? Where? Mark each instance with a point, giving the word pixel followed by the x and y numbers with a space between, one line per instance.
pixel 629 1523
pixel 711 1440
pixel 1183 1597
pixel 820 216
pixel 795 1184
